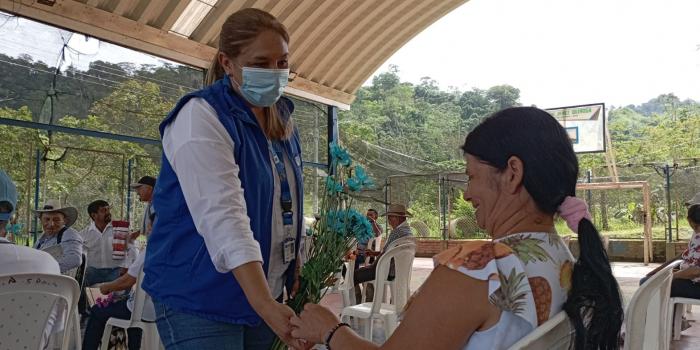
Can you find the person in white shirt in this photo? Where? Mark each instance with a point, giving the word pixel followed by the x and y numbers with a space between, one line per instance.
pixel 56 222
pixel 15 259
pixel 118 309
pixel 144 188
pixel 97 240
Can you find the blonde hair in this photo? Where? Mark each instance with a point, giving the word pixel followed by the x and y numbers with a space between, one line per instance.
pixel 239 30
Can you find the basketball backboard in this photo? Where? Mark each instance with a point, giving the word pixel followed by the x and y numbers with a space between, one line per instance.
pixel 585 125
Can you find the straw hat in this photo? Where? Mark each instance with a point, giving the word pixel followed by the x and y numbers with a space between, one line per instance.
pixel 53 206
pixel 693 201
pixel 398 210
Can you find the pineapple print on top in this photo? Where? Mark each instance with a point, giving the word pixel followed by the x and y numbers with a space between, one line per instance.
pixel 529 273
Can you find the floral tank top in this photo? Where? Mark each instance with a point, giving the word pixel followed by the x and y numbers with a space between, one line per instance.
pixel 529 277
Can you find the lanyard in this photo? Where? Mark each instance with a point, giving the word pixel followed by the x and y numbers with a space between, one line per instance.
pixel 285 193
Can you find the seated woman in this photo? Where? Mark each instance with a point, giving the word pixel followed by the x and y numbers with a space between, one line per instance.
pixel 487 295
pixel 685 281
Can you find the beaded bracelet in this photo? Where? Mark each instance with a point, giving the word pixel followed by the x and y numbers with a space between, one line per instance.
pixel 330 334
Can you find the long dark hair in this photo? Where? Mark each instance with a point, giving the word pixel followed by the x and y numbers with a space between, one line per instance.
pixel 551 168
pixel 694 214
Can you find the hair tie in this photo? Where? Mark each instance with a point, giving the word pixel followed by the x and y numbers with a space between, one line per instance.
pixel 572 210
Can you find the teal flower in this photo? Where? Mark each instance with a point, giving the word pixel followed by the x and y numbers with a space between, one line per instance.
pixel 340 154
pixel 333 187
pixel 335 222
pixel 360 180
pixel 359 226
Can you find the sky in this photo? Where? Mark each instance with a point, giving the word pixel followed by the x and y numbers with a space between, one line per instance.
pixel 562 52
pixel 557 52
pixel 43 43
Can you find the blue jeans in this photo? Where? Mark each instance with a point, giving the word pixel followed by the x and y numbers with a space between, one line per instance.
pixel 94 276
pixel 98 319
pixel 182 331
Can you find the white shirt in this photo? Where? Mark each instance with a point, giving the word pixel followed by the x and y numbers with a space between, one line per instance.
pixel 210 184
pixel 277 267
pixel 16 259
pixel 99 247
pixel 147 223
pixel 149 312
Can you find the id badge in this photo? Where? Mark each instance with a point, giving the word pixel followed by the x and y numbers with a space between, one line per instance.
pixel 288 250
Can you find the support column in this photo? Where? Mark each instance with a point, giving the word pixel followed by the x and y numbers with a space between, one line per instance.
pixel 36 191
pixel 128 188
pixel 332 128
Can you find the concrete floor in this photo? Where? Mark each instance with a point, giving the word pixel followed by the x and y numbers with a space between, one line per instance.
pixel 627 274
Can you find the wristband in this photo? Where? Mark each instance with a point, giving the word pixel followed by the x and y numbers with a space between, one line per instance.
pixel 330 334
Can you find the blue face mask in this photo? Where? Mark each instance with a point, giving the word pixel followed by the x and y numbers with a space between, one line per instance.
pixel 263 87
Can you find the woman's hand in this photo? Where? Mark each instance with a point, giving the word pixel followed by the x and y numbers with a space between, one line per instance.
pixel 690 273
pixel 277 316
pixel 313 324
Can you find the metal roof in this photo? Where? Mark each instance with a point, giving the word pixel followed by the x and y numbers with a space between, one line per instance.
pixel 335 45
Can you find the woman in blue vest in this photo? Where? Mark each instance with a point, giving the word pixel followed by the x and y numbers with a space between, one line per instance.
pixel 229 198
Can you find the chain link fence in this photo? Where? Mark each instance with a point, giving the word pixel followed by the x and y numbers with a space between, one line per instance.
pixel 440 212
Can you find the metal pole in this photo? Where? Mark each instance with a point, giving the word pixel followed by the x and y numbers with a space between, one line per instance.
pixel 28 192
pixel 36 192
pixel 589 179
pixel 443 207
pixel 315 170
pixel 667 173
pixel 332 130
pixel 128 190
pixel 387 186
pixel 121 180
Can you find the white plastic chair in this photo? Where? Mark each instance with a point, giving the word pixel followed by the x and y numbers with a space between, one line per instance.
pixel 374 244
pixel 401 241
pixel 367 312
pixel 555 334
pixel 647 312
pixel 27 301
pixel 677 307
pixel 346 284
pixel 390 284
pixel 400 287
pixel 150 339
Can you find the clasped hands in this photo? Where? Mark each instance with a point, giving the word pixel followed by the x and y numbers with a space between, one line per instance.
pixel 312 326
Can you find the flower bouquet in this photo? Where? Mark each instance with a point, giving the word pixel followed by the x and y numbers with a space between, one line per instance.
pixel 336 232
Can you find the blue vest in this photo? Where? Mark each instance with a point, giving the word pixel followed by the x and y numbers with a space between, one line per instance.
pixel 178 269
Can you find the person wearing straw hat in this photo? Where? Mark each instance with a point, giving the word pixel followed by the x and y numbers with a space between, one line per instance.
pixel 16 259
pixel 396 216
pixel 56 221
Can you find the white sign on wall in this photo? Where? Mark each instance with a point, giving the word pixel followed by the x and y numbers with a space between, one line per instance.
pixel 585 125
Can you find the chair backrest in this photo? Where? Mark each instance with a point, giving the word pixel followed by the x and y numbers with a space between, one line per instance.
pixel 402 255
pixel 645 317
pixel 400 241
pixel 370 243
pixel 377 243
pixel 139 299
pixel 28 301
pixel 555 334
pixel 346 283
